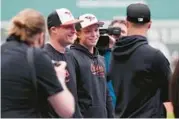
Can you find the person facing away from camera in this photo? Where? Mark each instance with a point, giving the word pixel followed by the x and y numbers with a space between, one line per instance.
pixel 139 73
pixel 29 81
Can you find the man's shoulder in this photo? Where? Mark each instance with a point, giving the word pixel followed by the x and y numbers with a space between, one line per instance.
pixel 154 54
pixel 151 50
pixel 70 56
pixel 71 52
pixel 148 48
pixel 40 55
pixel 147 51
pixel 38 51
pixel 47 48
pixel 14 46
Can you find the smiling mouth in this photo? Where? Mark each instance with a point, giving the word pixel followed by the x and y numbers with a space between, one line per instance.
pixel 70 35
pixel 93 40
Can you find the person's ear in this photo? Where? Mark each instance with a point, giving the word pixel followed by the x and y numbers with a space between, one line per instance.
pixel 149 24
pixel 127 24
pixel 53 29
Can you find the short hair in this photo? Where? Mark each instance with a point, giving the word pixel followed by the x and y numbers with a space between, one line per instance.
pixel 120 21
pixel 26 24
pixel 139 25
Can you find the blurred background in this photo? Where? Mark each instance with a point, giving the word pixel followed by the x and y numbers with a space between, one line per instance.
pixel 163 35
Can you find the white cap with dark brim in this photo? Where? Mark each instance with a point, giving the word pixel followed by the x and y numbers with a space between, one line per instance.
pixel 60 17
pixel 88 20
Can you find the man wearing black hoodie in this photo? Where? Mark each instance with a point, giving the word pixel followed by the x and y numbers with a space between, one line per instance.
pixel 139 72
pixel 93 96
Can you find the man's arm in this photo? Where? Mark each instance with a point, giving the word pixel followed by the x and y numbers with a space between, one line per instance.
pixel 61 101
pixel 164 74
pixel 169 107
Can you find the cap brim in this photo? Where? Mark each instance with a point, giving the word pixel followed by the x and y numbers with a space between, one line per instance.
pixel 75 21
pixel 100 23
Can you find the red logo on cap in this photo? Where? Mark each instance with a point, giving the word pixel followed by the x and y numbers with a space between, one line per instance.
pixel 68 13
pixel 90 18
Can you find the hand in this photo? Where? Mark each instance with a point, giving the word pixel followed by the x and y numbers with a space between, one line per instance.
pixel 112 41
pixel 61 71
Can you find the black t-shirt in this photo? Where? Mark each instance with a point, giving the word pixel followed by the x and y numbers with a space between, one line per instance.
pixel 57 56
pixel 70 73
pixel 17 90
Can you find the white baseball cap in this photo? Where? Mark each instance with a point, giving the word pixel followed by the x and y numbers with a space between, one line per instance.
pixel 88 20
pixel 61 16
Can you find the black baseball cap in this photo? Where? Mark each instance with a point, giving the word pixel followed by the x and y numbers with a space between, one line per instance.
pixel 61 16
pixel 138 13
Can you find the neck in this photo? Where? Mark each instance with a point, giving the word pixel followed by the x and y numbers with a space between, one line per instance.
pixel 57 46
pixel 90 49
pixel 141 32
pixel 33 42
